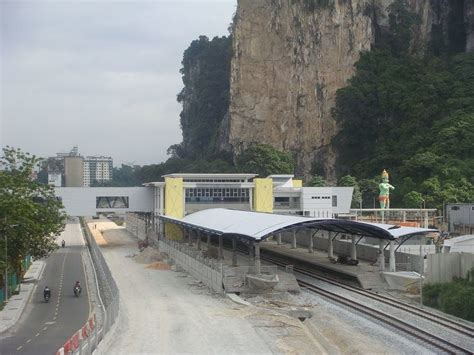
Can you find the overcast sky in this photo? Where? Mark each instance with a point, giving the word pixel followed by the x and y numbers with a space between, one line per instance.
pixel 102 75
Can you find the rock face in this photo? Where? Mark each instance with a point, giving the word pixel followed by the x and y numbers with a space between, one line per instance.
pixel 289 59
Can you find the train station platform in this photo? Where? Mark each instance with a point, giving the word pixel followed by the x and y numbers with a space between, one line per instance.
pixel 365 273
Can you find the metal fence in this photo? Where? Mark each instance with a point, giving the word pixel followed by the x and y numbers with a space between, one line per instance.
pixel 207 270
pixel 444 267
pixel 85 340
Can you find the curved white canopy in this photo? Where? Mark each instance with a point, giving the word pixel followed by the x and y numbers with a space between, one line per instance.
pixel 258 226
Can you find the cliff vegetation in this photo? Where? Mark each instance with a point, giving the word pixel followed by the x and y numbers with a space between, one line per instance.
pixel 412 115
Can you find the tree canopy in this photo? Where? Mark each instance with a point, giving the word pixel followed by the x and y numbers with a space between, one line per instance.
pixel 265 160
pixel 30 215
pixel 205 96
pixel 412 115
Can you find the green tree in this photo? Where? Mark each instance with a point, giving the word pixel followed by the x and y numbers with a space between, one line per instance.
pixel 30 215
pixel 265 160
pixel 351 181
pixel 413 199
pixel 369 189
pixel 317 181
pixel 205 96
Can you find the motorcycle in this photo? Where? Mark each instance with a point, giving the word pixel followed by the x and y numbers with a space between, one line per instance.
pixel 77 291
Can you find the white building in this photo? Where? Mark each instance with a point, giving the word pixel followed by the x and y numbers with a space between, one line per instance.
pixel 55 179
pixel 97 169
pixel 324 202
pixel 82 201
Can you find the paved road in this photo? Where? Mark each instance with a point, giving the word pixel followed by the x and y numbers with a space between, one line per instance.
pixel 44 327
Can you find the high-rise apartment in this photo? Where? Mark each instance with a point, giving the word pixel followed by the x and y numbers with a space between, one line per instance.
pixel 97 169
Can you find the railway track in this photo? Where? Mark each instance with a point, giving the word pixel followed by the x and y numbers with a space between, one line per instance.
pixel 419 334
pixel 412 330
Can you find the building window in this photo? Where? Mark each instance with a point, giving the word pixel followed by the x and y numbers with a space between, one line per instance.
pixel 217 195
pixel 334 200
pixel 454 208
pixel 111 202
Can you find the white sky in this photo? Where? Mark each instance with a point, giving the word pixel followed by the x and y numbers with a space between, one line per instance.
pixel 102 75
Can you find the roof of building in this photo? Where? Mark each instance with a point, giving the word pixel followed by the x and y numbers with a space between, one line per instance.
pixel 463 239
pixel 258 226
pixel 209 176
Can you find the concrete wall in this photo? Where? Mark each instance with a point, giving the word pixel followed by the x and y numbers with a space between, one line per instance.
pixel 74 171
pixel 446 266
pixel 81 201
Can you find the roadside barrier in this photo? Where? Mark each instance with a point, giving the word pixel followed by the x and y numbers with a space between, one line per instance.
pixel 85 339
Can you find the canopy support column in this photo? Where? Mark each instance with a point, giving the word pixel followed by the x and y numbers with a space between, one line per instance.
pixel 198 235
pixel 190 237
pixel 220 251
pixel 311 242
pixel 382 255
pixel 279 238
pixel 208 241
pixel 353 248
pixel 251 254
pixel 234 252
pixel 392 267
pixel 293 241
pixel 330 246
pixel 258 267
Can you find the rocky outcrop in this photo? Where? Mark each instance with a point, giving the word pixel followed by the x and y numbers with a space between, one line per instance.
pixel 291 56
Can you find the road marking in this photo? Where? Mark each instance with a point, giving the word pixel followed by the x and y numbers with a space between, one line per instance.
pixel 37 334
pixel 49 323
pixel 28 341
pixel 45 328
pixel 19 348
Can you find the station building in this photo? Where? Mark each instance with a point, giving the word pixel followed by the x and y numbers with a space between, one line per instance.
pixel 182 194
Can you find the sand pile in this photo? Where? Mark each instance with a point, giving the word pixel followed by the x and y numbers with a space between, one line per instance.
pixel 147 256
pixel 159 265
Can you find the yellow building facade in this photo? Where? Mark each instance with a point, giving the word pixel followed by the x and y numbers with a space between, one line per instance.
pixel 263 195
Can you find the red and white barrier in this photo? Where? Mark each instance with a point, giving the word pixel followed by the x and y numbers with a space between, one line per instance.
pixel 74 343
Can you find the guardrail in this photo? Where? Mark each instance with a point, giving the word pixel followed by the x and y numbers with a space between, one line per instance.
pixel 85 340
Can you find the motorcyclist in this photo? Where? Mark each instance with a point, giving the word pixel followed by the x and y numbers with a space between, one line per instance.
pixel 47 292
pixel 77 285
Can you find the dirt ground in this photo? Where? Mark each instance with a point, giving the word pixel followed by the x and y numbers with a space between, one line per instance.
pixel 166 311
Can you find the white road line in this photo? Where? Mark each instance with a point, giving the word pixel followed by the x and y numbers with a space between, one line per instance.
pixel 37 334
pixel 19 348
pixel 28 341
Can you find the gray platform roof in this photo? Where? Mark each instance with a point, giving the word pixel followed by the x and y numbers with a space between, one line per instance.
pixel 257 226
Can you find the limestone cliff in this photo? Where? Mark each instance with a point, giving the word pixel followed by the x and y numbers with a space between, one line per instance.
pixel 291 56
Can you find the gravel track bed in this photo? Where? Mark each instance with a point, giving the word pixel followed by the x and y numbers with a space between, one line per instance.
pixel 429 326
